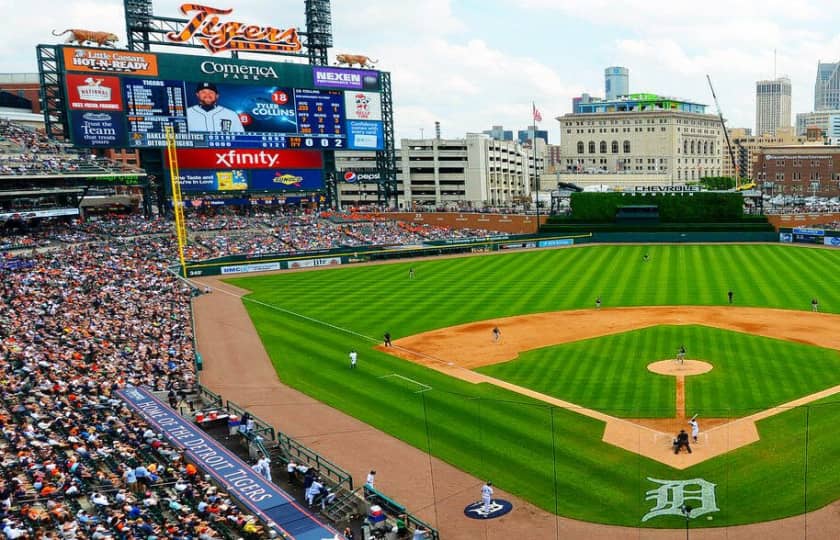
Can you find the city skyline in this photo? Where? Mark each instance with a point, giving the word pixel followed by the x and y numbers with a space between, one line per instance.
pixel 463 64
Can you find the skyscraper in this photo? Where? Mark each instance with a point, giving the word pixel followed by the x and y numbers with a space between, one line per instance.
pixel 772 105
pixel 616 81
pixel 827 87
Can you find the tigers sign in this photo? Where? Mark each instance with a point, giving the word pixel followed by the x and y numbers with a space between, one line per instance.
pixel 217 35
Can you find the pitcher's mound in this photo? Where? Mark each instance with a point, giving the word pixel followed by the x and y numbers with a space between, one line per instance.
pixel 688 367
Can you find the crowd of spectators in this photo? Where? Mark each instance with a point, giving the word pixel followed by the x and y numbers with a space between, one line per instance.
pixel 80 322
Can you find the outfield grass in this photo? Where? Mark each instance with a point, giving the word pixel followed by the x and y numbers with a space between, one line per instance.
pixel 308 321
pixel 610 374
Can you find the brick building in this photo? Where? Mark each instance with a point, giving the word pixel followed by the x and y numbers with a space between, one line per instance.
pixel 799 170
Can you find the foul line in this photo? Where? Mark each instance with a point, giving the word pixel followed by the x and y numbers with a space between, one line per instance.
pixel 295 314
pixel 426 389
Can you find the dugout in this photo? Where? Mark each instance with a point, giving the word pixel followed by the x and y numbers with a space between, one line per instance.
pixel 637 213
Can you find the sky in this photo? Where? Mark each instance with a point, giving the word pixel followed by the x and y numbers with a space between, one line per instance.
pixel 471 64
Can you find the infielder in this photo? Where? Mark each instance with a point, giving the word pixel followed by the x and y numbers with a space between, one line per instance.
pixel 681 354
pixel 497 334
pixel 208 115
pixel 695 427
pixel 486 495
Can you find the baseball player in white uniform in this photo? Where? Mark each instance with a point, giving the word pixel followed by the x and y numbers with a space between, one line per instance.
pixel 486 495
pixel 208 115
pixel 263 467
pixel 695 428
pixel 353 357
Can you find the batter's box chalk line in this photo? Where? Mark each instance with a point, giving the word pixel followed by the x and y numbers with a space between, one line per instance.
pixel 425 387
pixel 664 438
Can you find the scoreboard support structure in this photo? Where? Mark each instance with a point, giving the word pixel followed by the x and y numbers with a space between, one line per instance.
pixel 52 91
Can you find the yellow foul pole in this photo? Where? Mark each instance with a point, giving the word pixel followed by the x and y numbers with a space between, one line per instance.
pixel 178 207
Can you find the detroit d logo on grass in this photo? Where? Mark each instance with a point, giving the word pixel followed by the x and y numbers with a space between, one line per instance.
pixel 673 495
pixel 498 508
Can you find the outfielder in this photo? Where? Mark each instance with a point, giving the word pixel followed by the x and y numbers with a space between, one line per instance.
pixel 353 357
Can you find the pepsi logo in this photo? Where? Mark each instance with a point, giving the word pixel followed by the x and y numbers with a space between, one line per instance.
pixel 349 176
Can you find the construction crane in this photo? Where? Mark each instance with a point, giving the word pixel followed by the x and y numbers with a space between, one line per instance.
pixel 726 134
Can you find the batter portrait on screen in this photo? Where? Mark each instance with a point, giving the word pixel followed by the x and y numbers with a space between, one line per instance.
pixel 208 115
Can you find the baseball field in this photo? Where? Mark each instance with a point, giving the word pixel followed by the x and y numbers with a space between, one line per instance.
pixel 575 407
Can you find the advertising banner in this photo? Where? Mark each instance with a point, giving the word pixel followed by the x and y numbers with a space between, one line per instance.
pixel 361 175
pixel 363 135
pixel 363 106
pixel 345 79
pixel 242 268
pixel 200 180
pixel 555 243
pixel 94 93
pixel 287 179
pixel 110 61
pixel 833 241
pixel 248 159
pixel 98 129
pixel 310 263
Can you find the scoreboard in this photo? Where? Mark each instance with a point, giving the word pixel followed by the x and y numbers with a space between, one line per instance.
pixel 125 99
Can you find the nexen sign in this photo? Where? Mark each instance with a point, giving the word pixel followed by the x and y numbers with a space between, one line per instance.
pixel 351 78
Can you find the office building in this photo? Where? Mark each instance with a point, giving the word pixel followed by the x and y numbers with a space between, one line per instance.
pixel 800 171
pixel 616 82
pixel 833 133
pixel 827 87
pixel 499 133
pixel 583 99
pixel 747 146
pixel 473 171
pixel 525 135
pixel 818 119
pixel 640 139
pixel 772 105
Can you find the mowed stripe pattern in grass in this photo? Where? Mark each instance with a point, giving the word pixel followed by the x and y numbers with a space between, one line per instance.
pixel 610 373
pixel 496 434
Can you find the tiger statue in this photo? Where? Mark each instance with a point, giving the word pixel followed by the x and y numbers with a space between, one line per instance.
pixel 352 59
pixel 103 39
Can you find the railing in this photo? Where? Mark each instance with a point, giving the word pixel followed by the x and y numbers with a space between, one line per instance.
pixel 291 450
pixel 294 451
pixel 393 508
pixel 211 398
pixel 261 428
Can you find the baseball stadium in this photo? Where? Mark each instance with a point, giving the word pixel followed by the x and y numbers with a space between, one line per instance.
pixel 227 338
